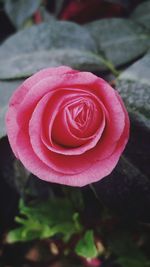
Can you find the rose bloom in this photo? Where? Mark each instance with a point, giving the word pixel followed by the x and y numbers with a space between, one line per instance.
pixel 66 126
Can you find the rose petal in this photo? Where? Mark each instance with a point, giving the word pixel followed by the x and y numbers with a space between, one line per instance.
pixel 97 171
pixel 58 162
pixel 93 84
pixel 51 112
pixel 18 96
pixel 75 170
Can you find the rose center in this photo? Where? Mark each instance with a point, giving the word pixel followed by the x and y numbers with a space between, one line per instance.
pixel 76 122
pixel 80 118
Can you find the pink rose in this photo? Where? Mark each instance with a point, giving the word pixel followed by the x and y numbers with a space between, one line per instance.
pixel 66 126
pixel 95 262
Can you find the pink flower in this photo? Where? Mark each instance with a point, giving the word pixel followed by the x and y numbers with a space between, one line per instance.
pixel 95 262
pixel 66 126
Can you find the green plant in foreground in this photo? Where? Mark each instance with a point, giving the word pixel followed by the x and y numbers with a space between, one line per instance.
pixel 58 220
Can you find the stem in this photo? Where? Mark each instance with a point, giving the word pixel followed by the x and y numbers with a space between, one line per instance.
pixel 97 197
pixel 110 66
pixel 94 191
pixel 107 63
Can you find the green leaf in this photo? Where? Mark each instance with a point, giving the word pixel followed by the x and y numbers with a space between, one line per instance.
pixel 86 246
pixel 138 71
pixel 46 219
pixel 45 36
pixel 20 10
pixel 26 233
pixel 2 121
pixel 142 14
pixel 6 90
pixel 134 86
pixel 24 65
pixel 128 253
pixel 46 15
pixel 124 262
pixel 76 197
pixel 50 44
pixel 120 40
pixel 52 211
pixel 58 6
pixel 15 235
pixel 22 176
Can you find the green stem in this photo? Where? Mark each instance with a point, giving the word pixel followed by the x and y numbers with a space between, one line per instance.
pixel 94 191
pixel 107 63
pixel 110 66
pixel 97 197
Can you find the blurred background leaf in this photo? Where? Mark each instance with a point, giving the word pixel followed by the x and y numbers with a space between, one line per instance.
pixel 20 10
pixel 6 90
pixel 134 86
pixel 121 40
pixel 129 255
pixel 18 66
pixel 55 34
pixel 142 14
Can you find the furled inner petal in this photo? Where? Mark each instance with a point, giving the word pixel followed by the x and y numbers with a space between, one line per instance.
pixel 80 119
pixel 69 161
pixel 84 117
pixel 61 133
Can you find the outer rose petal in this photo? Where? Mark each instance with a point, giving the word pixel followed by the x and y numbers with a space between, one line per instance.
pixel 88 167
pixel 88 82
pixel 96 172
pixel 18 96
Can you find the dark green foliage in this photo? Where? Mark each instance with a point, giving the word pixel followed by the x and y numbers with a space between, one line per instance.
pixel 6 90
pixel 128 253
pixel 18 67
pixel 86 246
pixel 142 14
pixel 46 36
pixel 20 10
pixel 120 40
pixel 46 219
pixel 134 86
